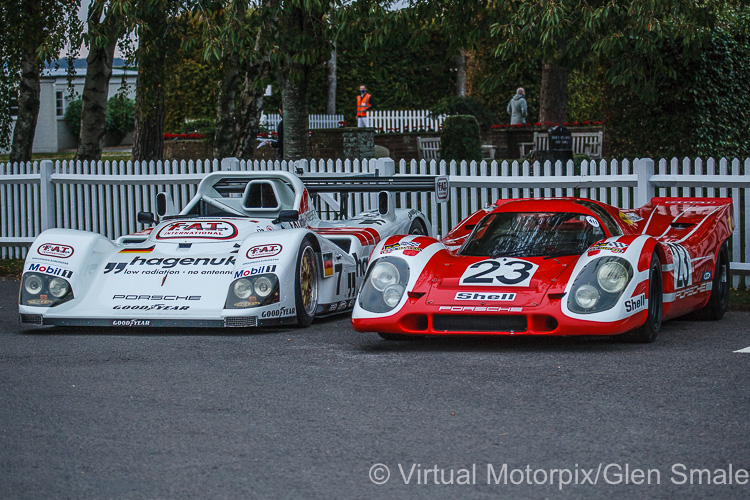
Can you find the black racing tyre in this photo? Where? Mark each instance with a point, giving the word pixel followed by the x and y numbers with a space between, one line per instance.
pixel 306 283
pixel 399 336
pixel 647 332
pixel 417 227
pixel 718 303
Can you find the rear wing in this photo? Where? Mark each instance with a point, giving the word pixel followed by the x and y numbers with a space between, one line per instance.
pixel 344 184
pixel 372 183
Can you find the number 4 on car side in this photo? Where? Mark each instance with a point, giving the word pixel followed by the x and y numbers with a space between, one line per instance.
pixel 554 266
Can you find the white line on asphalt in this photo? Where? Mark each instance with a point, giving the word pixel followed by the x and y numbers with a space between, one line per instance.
pixel 745 350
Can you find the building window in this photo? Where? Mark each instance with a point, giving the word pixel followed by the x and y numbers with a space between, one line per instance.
pixel 59 103
pixel 13 104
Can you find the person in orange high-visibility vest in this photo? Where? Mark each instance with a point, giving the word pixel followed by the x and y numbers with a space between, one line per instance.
pixel 365 103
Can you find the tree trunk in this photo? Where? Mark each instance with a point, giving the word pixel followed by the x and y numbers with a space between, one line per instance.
pixel 294 104
pixel 250 108
pixel 225 108
pixel 553 94
pixel 28 110
pixel 148 135
pixel 461 73
pixel 331 106
pixel 94 102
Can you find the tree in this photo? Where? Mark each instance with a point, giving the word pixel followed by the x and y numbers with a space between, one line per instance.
pixel 34 33
pixel 303 41
pixel 240 40
pixel 154 20
pixel 106 24
pixel 574 35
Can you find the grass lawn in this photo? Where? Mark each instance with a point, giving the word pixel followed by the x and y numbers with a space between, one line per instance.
pixel 113 155
pixel 739 300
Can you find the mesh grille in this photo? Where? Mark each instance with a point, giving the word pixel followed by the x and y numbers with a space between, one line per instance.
pixel 34 319
pixel 240 321
pixel 470 323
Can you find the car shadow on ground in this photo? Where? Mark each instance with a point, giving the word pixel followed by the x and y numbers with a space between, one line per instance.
pixel 156 332
pixel 515 343
pixel 170 332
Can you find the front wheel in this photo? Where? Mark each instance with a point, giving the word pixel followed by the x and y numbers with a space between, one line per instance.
pixel 647 332
pixel 306 285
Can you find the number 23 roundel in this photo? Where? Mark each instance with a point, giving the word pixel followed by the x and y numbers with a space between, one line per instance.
pixel 499 272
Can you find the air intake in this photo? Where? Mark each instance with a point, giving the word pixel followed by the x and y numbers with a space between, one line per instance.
pixel 240 321
pixel 33 319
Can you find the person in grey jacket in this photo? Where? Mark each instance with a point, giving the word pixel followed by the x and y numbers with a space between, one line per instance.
pixel 517 107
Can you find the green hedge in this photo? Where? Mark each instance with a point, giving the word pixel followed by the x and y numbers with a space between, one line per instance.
pixel 704 111
pixel 120 117
pixel 460 139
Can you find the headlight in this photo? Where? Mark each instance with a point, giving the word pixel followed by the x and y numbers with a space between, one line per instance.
pixel 253 291
pixel 263 287
pixel 58 287
pixel 385 284
pixel 243 288
pixel 392 295
pixel 383 275
pixel 587 296
pixel 41 290
pixel 600 285
pixel 33 284
pixel 612 277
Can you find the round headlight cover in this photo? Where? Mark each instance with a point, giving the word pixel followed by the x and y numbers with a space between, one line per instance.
pixel 612 277
pixel 58 287
pixel 383 275
pixel 587 296
pixel 263 287
pixel 33 284
pixel 392 295
pixel 243 288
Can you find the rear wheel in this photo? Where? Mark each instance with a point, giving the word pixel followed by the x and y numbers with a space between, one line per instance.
pixel 647 332
pixel 399 336
pixel 418 227
pixel 306 285
pixel 718 303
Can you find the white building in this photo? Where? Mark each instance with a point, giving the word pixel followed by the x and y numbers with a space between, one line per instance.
pixel 52 133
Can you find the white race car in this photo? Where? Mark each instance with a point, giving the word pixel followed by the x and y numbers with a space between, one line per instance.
pixel 248 250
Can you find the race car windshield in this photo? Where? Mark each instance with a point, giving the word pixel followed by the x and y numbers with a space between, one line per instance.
pixel 533 234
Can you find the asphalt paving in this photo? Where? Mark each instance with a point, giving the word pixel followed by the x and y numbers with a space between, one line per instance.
pixel 326 412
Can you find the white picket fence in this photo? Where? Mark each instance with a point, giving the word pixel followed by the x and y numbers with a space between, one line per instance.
pixel 407 120
pixel 104 197
pixel 314 121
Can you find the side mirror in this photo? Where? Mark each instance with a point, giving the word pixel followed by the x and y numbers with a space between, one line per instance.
pixel 164 204
pixel 146 218
pixel 286 216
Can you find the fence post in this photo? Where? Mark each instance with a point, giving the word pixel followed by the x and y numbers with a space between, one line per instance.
pixel 46 194
pixel 385 167
pixel 644 169
pixel 382 167
pixel 300 167
pixel 231 164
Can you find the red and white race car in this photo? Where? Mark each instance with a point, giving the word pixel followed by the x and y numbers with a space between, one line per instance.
pixel 554 266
